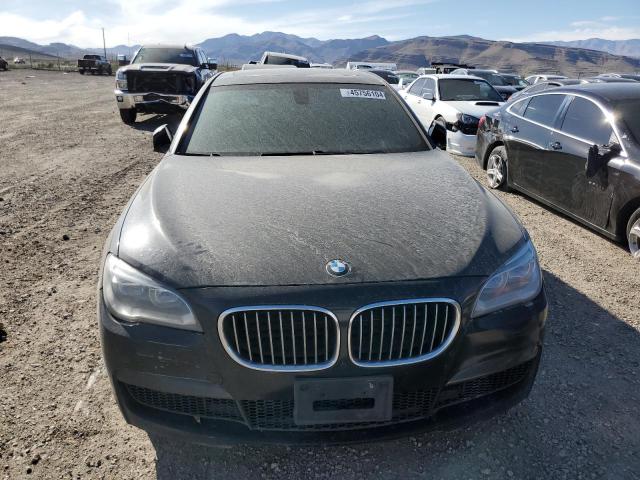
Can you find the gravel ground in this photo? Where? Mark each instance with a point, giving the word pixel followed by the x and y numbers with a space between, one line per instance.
pixel 67 168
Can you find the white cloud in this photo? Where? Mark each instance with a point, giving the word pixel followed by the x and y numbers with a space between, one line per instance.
pixel 146 21
pixel 582 30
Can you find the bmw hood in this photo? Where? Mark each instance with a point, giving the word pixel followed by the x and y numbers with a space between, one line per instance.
pixel 232 221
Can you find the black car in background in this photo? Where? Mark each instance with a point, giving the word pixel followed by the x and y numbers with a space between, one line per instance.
pixel 514 80
pixel 491 76
pixel 391 78
pixel 575 149
pixel 4 65
pixel 628 76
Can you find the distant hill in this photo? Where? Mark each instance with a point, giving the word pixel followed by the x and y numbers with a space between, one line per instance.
pixel 417 52
pixel 10 52
pixel 241 48
pixel 524 58
pixel 630 48
pixel 63 50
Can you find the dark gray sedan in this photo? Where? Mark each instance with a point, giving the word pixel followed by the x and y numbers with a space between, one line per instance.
pixel 303 266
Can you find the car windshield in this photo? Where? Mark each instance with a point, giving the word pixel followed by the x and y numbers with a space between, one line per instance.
pixel 461 90
pixel 301 119
pixel 492 78
pixel 515 81
pixel 629 112
pixel 165 55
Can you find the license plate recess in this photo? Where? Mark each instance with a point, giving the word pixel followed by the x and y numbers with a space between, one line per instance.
pixel 345 400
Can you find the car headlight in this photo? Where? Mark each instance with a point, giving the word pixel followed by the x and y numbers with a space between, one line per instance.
pixel 121 80
pixel 467 119
pixel 132 296
pixel 517 281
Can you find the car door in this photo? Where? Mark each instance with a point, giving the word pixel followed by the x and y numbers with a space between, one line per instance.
pixel 529 144
pixel 413 97
pixel 583 125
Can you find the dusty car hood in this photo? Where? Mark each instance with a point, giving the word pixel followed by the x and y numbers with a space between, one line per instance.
pixel 159 67
pixel 209 221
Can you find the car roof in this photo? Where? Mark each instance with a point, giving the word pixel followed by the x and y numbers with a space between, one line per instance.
pixel 443 76
pixel 186 46
pixel 606 92
pixel 297 75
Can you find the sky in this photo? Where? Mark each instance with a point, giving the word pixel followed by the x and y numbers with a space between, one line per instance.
pixel 78 22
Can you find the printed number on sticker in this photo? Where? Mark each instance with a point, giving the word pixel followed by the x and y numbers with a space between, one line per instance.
pixel 357 93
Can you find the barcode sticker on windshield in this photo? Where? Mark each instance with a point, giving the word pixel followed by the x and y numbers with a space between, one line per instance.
pixel 357 93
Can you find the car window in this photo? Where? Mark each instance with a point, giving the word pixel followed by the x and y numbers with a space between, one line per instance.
pixel 416 88
pixel 518 108
pixel 584 119
pixel 463 90
pixel 166 55
pixel 543 108
pixel 296 119
pixel 429 86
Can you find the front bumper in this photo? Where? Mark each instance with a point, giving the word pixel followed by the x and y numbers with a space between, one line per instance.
pixel 461 144
pixel 152 102
pixel 184 384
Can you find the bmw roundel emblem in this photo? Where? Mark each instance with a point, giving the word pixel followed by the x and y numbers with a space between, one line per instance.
pixel 338 268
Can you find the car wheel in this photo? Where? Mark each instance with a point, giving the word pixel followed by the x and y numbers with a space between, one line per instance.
pixel 633 234
pixel 81 72
pixel 497 169
pixel 128 115
pixel 109 71
pixel 439 133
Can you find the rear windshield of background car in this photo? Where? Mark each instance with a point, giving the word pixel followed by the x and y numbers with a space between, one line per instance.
pixel 490 77
pixel 464 90
pixel 276 60
pixel 301 119
pixel 165 55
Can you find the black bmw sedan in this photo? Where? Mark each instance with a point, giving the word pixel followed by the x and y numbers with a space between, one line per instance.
pixel 303 266
pixel 576 149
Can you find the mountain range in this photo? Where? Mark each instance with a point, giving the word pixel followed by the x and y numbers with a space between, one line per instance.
pixel 524 58
pixel 630 48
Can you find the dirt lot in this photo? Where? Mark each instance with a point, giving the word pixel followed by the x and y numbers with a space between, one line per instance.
pixel 68 166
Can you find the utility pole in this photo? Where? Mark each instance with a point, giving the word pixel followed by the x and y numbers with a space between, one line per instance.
pixel 104 44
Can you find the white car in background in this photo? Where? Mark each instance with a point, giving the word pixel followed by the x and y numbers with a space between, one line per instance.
pixel 450 108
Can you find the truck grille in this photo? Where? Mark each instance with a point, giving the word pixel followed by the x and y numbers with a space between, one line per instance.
pixel 160 82
pixel 399 333
pixel 285 338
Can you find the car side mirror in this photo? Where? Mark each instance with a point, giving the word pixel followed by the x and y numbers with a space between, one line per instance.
pixel 428 96
pixel 213 65
pixel 599 156
pixel 162 138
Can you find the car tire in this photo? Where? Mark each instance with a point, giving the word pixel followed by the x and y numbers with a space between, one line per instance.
pixel 633 234
pixel 439 133
pixel 128 115
pixel 81 72
pixel 109 71
pixel 497 169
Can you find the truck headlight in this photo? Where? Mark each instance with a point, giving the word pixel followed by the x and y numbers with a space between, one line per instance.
pixel 132 296
pixel 121 80
pixel 517 281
